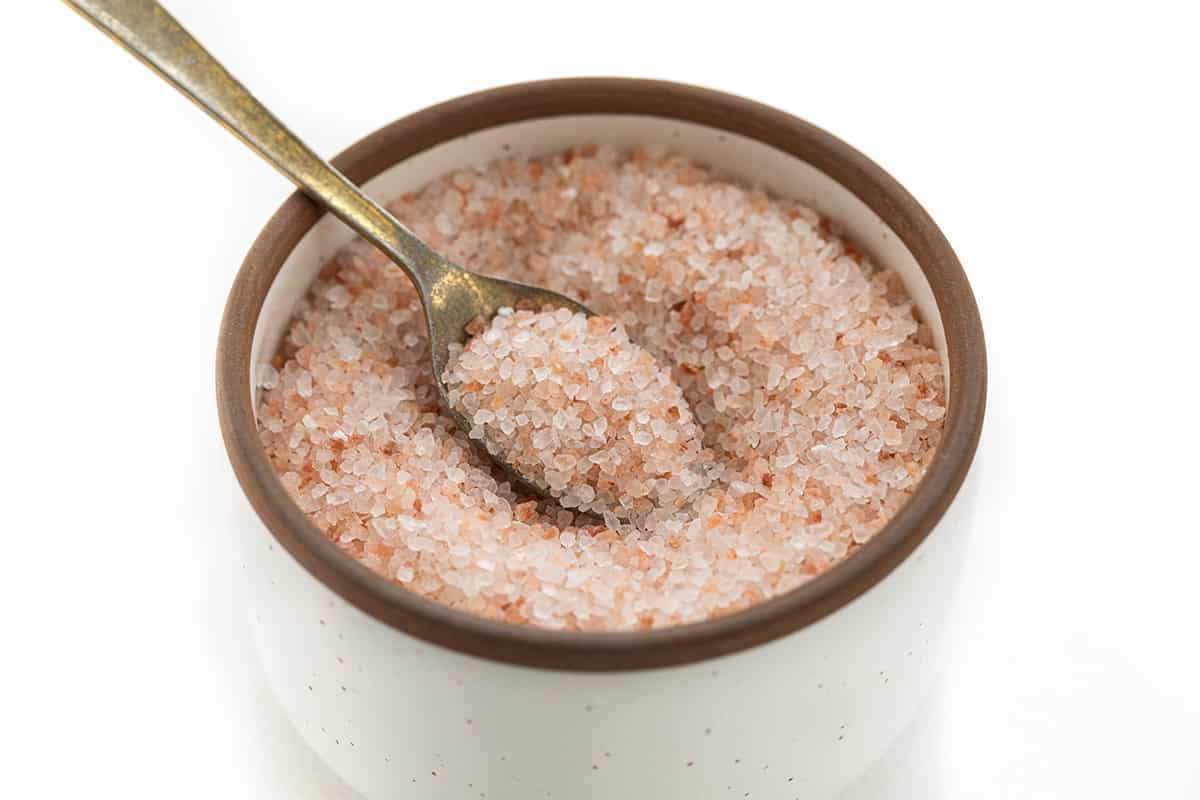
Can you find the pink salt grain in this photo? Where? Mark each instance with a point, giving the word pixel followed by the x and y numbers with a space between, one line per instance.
pixel 816 393
pixel 605 429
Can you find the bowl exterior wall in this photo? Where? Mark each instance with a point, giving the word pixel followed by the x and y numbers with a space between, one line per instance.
pixel 803 715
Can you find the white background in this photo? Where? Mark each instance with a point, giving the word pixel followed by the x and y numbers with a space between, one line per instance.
pixel 1056 145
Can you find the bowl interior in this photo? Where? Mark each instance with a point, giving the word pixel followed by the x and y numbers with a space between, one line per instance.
pixel 730 154
pixel 741 139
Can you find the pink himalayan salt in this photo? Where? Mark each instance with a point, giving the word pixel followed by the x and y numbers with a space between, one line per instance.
pixel 819 394
pixel 582 412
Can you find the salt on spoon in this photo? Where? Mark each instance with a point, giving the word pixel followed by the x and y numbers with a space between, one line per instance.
pixel 593 420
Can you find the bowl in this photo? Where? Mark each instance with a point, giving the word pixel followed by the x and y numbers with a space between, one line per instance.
pixel 795 696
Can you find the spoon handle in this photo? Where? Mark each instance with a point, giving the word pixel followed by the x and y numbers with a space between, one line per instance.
pixel 146 29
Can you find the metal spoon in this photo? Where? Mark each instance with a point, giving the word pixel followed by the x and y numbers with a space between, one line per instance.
pixel 450 295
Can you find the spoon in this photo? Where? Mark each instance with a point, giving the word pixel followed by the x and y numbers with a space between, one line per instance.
pixel 451 296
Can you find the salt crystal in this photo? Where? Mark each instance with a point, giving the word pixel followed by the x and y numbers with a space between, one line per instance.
pixel 268 376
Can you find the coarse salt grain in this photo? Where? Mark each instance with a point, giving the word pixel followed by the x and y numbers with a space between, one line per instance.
pixel 632 479
pixel 818 397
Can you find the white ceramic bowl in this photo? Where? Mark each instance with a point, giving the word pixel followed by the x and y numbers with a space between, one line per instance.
pixel 794 697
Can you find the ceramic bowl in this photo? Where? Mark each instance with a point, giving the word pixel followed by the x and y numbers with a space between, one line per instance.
pixel 794 697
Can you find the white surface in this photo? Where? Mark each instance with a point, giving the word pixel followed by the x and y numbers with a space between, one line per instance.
pixel 1054 143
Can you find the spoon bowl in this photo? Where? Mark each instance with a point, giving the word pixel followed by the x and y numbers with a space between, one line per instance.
pixel 451 303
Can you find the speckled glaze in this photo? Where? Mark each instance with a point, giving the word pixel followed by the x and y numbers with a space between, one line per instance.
pixel 802 716
pixel 796 702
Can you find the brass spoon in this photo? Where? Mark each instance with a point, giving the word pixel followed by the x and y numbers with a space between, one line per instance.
pixel 450 295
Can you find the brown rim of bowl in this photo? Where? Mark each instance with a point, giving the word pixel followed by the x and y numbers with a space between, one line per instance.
pixel 525 645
